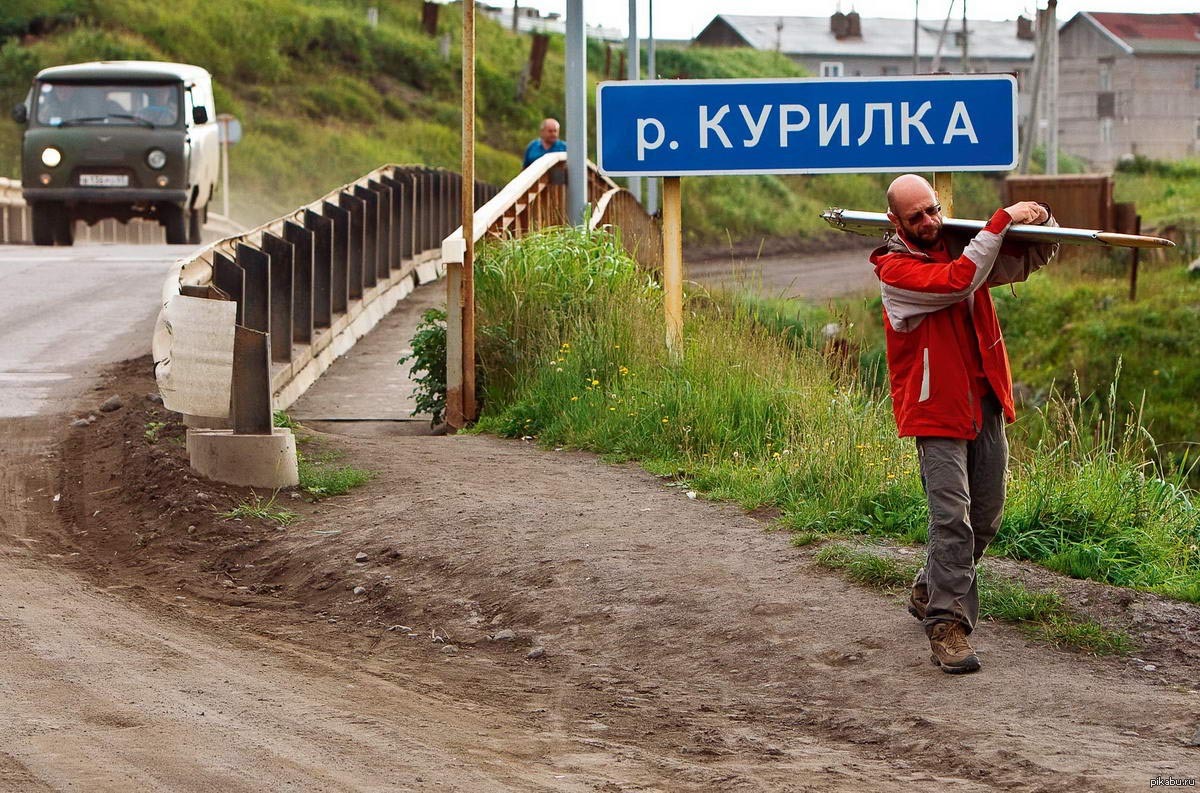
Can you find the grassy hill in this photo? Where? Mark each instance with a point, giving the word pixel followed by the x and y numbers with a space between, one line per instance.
pixel 324 97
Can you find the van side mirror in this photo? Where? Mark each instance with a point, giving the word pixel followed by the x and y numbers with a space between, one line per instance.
pixel 20 113
pixel 200 114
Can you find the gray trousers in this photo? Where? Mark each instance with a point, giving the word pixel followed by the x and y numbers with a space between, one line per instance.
pixel 964 485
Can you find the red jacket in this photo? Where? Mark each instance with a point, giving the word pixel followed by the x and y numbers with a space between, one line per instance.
pixel 937 312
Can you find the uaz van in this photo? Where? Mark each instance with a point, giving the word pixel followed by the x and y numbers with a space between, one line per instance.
pixel 119 139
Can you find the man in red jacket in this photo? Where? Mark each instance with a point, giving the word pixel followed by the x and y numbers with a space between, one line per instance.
pixel 951 389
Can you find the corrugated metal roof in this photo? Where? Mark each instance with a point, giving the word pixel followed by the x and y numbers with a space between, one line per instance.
pixel 889 38
pixel 1152 34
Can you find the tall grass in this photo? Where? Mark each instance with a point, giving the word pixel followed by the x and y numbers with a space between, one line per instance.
pixel 572 353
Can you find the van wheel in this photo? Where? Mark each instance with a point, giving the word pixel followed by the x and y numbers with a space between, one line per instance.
pixel 194 222
pixel 175 224
pixel 45 222
pixel 64 231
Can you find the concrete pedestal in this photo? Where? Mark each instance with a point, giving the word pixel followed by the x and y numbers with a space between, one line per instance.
pixel 206 422
pixel 267 461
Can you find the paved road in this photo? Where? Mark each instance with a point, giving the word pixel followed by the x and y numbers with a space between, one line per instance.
pixel 65 312
pixel 814 276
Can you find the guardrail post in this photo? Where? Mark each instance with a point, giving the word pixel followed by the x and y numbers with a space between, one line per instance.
pixel 257 287
pixel 370 267
pixel 402 215
pixel 251 382
pixel 387 249
pixel 253 453
pixel 231 280
pixel 355 244
pixel 340 273
pixel 280 253
pixel 302 281
pixel 428 209
pixel 322 262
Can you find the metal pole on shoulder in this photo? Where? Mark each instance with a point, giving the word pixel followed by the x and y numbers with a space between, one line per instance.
pixel 651 74
pixel 633 64
pixel 576 94
pixel 223 125
pixel 672 276
pixel 460 282
pixel 468 212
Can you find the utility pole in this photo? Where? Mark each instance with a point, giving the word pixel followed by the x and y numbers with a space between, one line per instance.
pixel 966 60
pixel 576 91
pixel 916 30
pixel 1052 87
pixel 633 64
pixel 652 74
pixel 1030 133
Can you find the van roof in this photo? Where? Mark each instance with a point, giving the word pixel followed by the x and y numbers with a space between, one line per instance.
pixel 125 70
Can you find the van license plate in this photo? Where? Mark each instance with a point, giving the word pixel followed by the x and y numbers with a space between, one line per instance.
pixel 103 180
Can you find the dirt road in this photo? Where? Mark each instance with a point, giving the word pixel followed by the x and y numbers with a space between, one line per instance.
pixel 682 647
pixel 528 620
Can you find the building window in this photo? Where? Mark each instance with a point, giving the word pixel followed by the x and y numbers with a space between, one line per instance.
pixel 1106 127
pixel 831 68
pixel 1105 76
pixel 1196 79
pixel 889 71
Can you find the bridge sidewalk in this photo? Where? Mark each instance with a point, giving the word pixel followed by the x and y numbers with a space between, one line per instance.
pixel 366 384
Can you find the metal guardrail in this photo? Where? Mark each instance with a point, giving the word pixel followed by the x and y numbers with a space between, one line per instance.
pixel 640 234
pixel 536 198
pixel 15 223
pixel 310 284
pixel 14 214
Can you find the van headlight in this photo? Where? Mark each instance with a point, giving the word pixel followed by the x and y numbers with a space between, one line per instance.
pixel 156 159
pixel 51 156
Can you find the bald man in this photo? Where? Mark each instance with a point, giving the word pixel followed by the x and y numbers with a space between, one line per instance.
pixel 546 142
pixel 951 390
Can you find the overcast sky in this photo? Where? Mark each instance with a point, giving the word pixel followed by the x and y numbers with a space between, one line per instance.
pixel 683 19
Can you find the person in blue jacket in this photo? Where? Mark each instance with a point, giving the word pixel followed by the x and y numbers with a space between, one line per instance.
pixel 544 144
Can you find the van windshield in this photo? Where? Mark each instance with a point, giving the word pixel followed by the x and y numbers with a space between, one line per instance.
pixel 71 104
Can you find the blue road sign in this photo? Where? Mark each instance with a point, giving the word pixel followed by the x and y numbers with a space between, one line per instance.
pixel 696 127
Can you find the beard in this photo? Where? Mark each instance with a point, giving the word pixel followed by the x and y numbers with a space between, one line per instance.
pixel 930 239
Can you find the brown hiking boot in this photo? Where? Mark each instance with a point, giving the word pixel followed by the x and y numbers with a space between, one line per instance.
pixel 952 653
pixel 918 598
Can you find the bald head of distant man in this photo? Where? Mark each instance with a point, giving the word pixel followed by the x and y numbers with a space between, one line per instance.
pixel 549 132
pixel 914 210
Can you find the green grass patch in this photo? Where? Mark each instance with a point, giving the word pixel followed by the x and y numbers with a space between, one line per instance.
pixel 322 482
pixel 1042 614
pixel 259 509
pixel 321 476
pixel 281 418
pixel 570 345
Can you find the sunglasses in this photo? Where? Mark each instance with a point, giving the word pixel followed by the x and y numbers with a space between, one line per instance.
pixel 932 211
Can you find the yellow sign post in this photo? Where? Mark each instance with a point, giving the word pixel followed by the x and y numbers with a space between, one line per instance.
pixel 672 275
